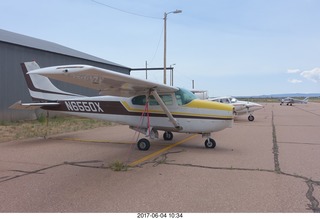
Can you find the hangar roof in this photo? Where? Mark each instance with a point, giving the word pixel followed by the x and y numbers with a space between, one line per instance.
pixel 23 40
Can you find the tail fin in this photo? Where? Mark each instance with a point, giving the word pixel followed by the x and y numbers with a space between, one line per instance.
pixel 306 99
pixel 40 87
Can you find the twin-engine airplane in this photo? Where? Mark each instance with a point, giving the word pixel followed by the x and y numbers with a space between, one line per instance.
pixel 240 107
pixel 143 105
pixel 290 101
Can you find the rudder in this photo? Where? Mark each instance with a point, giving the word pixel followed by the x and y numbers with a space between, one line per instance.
pixel 40 87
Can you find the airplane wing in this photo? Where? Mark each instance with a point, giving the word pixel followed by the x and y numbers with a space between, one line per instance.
pixel 106 81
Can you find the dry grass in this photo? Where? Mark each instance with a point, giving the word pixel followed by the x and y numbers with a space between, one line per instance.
pixel 38 128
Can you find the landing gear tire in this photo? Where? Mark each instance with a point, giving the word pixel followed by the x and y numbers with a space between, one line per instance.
pixel 168 136
pixel 210 143
pixel 250 118
pixel 143 144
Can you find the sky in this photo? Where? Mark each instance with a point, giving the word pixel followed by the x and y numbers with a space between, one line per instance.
pixel 227 47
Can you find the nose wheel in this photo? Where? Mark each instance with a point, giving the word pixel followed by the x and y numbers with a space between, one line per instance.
pixel 250 118
pixel 210 143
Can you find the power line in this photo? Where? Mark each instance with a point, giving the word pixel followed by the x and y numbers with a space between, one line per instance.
pixel 155 53
pixel 127 12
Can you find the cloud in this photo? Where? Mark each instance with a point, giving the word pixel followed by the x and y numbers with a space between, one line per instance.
pixel 294 81
pixel 293 71
pixel 313 75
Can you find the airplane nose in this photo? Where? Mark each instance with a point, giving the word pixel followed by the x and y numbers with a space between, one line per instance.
pixel 255 105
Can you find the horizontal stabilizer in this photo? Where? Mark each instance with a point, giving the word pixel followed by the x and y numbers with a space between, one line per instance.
pixel 31 106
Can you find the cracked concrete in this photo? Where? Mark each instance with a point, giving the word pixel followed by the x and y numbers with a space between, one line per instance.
pixel 270 165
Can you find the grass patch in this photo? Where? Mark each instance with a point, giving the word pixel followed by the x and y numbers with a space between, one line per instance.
pixel 118 166
pixel 10 131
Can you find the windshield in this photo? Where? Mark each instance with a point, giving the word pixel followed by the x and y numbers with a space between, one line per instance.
pixel 233 100
pixel 184 96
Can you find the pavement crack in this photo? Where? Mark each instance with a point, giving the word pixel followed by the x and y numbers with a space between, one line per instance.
pixel 220 168
pixel 161 159
pixel 23 171
pixel 275 148
pixel 26 173
pixel 314 203
pixel 85 164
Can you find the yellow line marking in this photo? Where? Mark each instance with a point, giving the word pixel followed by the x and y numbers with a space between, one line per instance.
pixel 93 141
pixel 160 151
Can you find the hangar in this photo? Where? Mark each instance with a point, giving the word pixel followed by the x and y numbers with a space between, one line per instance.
pixel 16 48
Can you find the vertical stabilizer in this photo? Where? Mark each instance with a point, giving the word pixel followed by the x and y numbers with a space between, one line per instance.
pixel 40 87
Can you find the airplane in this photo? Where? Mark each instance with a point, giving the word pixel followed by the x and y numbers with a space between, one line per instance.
pixel 147 107
pixel 290 101
pixel 240 107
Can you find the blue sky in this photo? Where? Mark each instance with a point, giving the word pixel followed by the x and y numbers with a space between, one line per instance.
pixel 228 47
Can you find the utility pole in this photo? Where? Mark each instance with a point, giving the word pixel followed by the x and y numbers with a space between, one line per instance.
pixel 165 44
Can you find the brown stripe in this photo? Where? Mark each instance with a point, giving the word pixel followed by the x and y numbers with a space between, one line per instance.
pixel 114 108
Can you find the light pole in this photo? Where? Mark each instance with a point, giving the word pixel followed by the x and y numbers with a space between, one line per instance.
pixel 165 43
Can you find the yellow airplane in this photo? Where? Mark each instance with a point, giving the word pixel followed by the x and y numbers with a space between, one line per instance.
pixel 145 106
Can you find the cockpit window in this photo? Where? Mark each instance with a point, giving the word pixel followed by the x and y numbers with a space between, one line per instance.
pixel 233 100
pixel 184 96
pixel 224 100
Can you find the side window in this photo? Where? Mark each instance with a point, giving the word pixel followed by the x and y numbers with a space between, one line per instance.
pixel 153 101
pixel 224 101
pixel 179 99
pixel 167 99
pixel 139 100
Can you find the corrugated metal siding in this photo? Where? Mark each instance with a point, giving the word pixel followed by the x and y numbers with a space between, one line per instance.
pixel 31 42
pixel 12 83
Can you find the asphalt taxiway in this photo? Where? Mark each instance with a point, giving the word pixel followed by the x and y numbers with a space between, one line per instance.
pixel 269 165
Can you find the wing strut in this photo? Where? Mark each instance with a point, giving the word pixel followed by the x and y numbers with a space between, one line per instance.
pixel 165 109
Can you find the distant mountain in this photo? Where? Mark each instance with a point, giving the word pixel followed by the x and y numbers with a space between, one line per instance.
pixel 284 95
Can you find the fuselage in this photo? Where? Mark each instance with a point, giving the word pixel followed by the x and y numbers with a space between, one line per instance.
pixel 193 115
pixel 240 107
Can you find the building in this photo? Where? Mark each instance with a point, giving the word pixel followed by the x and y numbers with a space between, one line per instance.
pixel 16 48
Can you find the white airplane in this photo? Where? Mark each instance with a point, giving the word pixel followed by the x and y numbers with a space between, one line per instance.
pixel 240 107
pixel 143 105
pixel 290 101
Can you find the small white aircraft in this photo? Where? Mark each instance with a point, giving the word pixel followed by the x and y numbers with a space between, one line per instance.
pixel 143 105
pixel 240 107
pixel 290 101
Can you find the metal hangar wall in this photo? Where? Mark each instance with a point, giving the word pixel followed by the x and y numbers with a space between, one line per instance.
pixel 16 48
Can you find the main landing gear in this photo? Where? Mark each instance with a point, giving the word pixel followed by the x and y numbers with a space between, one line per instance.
pixel 168 136
pixel 144 144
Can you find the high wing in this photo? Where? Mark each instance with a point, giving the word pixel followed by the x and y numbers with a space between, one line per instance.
pixel 107 82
